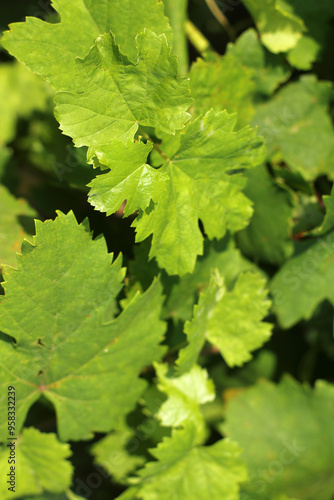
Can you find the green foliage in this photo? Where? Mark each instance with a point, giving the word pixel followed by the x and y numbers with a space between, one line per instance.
pixel 16 219
pixel 262 239
pixel 196 187
pixel 43 355
pixel 21 93
pixel 130 178
pixel 231 320
pixel 297 27
pixel 116 96
pixel 281 458
pixel 112 454
pixel 279 26
pixel 298 128
pixel 38 44
pixel 185 395
pixel 190 471
pixel 202 370
pixel 43 465
pixel 307 273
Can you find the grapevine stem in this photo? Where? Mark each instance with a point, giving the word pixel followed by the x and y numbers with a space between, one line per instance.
pixel 156 147
pixel 222 19
pixel 176 10
pixel 197 38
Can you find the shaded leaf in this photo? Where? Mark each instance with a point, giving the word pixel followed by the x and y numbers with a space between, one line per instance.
pixel 16 221
pixel 113 455
pixel 269 71
pixel 21 93
pixel 294 428
pixel 261 239
pixel 297 127
pixel 304 281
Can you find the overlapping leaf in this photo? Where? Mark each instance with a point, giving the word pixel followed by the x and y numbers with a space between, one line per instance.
pixel 234 81
pixel 279 26
pixel 40 465
pixel 190 471
pixel 298 27
pixel 130 178
pixel 184 291
pixel 231 320
pixel 269 71
pixel 262 239
pixel 50 49
pixel 304 281
pixel 115 453
pixel 21 93
pixel 54 308
pixel 328 222
pixel 185 395
pixel 16 220
pixel 294 428
pixel 223 83
pixel 115 96
pixel 204 183
pixel 297 127
pixel 316 17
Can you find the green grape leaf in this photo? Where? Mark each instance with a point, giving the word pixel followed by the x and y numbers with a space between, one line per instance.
pixel 16 221
pixel 261 239
pixel 298 27
pixel 304 281
pixel 292 424
pixel 231 320
pixel 116 96
pixel 21 93
pixel 223 83
pixel 269 71
pixel 68 495
pixel 279 27
pixel 235 80
pixel 283 497
pixel 130 178
pixel 185 395
pixel 190 471
pixel 221 255
pixel 204 179
pixel 304 53
pixel 54 308
pixel 182 292
pixel 40 464
pixel 297 127
pixel 328 222
pixel 49 49
pixel 316 17
pixel 113 455
pixel 308 214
